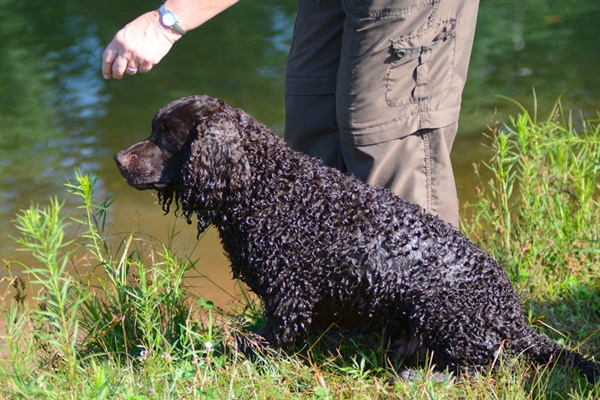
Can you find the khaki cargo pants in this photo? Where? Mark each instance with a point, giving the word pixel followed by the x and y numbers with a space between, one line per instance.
pixel 374 88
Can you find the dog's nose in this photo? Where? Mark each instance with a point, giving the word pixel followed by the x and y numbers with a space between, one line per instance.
pixel 121 159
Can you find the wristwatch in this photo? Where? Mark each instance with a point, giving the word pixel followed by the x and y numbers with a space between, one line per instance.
pixel 168 19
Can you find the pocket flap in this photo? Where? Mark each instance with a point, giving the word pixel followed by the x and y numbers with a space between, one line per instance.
pixel 408 47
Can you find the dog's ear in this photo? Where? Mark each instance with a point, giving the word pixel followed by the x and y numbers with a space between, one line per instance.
pixel 217 166
pixel 219 157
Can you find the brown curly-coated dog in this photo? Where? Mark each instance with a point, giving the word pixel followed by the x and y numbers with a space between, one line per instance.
pixel 320 247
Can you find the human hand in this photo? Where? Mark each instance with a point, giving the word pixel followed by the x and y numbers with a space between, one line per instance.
pixel 138 47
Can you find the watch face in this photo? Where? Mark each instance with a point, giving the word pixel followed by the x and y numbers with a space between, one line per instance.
pixel 169 19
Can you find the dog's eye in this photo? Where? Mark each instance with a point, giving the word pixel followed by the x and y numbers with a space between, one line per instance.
pixel 169 138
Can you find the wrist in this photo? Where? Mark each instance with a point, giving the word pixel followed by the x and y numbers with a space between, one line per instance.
pixel 169 20
pixel 168 33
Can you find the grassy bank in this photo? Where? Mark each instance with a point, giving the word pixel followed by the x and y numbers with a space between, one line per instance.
pixel 124 325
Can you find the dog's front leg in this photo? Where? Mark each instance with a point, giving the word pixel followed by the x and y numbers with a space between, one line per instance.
pixel 288 320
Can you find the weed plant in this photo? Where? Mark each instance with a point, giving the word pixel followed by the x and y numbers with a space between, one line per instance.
pixel 538 212
pixel 131 329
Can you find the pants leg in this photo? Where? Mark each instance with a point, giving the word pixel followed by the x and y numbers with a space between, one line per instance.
pixel 416 167
pixel 374 88
pixel 310 86
pixel 402 71
pixel 311 127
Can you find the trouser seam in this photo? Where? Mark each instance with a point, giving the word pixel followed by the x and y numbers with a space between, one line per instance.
pixel 428 170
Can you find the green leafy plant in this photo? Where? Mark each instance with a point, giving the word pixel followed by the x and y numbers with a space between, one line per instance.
pixel 538 212
pixel 55 322
pixel 133 308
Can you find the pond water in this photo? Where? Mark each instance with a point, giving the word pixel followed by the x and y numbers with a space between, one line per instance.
pixel 58 114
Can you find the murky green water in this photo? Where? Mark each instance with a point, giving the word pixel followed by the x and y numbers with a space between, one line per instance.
pixel 58 114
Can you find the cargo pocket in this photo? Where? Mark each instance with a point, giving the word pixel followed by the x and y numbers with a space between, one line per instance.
pixel 421 65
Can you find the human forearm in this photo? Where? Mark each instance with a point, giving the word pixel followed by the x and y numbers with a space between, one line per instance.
pixel 193 13
pixel 143 42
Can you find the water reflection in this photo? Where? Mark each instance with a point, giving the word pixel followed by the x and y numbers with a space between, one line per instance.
pixel 58 114
pixel 79 87
pixel 520 45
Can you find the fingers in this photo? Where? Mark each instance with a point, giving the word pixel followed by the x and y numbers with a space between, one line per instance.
pixel 107 61
pixel 135 48
pixel 132 68
pixel 119 67
pixel 115 65
pixel 144 67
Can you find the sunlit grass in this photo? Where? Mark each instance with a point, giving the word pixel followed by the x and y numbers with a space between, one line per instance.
pixel 131 329
pixel 539 213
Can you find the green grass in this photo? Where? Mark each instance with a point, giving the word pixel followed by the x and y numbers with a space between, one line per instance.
pixel 131 329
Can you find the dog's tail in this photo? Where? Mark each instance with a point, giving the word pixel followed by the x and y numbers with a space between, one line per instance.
pixel 543 351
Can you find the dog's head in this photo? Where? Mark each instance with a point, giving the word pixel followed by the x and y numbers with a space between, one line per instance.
pixel 156 162
pixel 193 154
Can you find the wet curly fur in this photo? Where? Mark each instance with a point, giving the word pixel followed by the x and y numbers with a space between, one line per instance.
pixel 319 247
